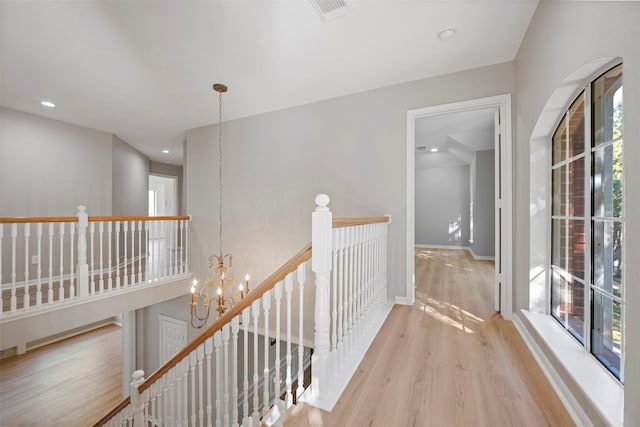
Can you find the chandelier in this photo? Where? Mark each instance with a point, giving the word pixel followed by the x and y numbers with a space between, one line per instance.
pixel 214 289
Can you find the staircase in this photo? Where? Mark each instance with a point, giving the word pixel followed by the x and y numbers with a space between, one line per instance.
pixel 248 367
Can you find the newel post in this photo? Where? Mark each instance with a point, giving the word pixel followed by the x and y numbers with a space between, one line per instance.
pixel 321 226
pixel 136 398
pixel 83 267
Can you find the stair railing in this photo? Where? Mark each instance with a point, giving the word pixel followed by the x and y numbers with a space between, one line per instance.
pixel 202 383
pixel 47 261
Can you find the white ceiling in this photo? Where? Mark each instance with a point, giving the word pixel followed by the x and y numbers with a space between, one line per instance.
pixel 456 136
pixel 144 69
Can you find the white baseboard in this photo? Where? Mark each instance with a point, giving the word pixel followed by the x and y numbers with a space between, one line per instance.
pixel 401 300
pixel 427 246
pixel 480 257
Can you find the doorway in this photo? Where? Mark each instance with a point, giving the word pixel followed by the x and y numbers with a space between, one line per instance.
pixel 503 200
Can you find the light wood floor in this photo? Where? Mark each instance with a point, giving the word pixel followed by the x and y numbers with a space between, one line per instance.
pixel 449 360
pixel 70 383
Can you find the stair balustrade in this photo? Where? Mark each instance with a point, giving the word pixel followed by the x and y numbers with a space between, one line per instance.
pixel 248 367
pixel 48 261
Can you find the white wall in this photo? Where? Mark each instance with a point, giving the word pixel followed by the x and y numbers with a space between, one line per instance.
pixel 49 167
pixel 130 183
pixel 562 37
pixel 442 206
pixel 352 148
pixel 483 196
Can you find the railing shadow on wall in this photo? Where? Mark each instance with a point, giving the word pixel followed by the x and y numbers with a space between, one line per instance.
pixel 48 261
pixel 210 380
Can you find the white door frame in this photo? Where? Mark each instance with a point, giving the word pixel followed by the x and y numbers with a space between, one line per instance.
pixel 503 103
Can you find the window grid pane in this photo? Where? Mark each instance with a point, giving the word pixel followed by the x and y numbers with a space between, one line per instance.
pixel 587 271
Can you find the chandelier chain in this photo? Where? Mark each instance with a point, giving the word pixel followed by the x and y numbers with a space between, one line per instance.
pixel 220 169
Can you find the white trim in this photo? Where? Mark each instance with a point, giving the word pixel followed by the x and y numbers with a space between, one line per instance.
pixel 428 246
pixel 402 301
pixel 481 257
pixel 503 102
pixel 605 395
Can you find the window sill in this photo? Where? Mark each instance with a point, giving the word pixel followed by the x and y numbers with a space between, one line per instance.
pixel 603 392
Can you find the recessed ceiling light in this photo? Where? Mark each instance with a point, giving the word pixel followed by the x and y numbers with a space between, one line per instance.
pixel 48 104
pixel 165 151
pixel 434 150
pixel 446 34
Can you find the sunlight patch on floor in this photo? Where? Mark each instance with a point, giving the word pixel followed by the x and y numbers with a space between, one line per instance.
pixel 435 314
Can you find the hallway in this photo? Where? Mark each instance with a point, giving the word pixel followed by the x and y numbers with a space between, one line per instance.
pixel 69 383
pixel 449 360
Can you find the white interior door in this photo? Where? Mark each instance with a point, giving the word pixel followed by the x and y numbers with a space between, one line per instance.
pixel 173 336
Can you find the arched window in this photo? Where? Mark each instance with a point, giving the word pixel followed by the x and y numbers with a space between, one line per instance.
pixel 587 220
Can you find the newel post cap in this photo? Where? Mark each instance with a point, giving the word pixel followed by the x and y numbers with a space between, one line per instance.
pixel 138 376
pixel 322 201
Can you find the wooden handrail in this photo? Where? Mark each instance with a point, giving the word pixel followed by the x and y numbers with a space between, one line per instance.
pixel 113 412
pixel 24 220
pixel 136 218
pixel 290 266
pixel 350 222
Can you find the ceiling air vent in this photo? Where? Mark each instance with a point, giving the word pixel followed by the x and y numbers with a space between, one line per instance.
pixel 330 9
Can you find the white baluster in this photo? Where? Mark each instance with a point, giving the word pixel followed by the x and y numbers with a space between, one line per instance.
pixel 340 268
pixel 117 254
pixel 288 288
pixel 92 232
pixel 173 416
pixel 39 266
pixel 139 252
pixel 101 239
pixel 165 399
pixel 152 413
pixel 301 279
pixel 246 320
pixel 27 236
pixel 61 282
pixel 14 240
pixel 165 257
pixel 278 298
pixel 174 269
pixel 208 349
pixel 147 272
pixel 109 239
pixel 50 290
pixel 185 391
pixel 358 289
pixel 235 327
pixel 192 370
pixel 72 288
pixel 185 264
pixel 321 265
pixel 334 290
pixel 125 232
pixel 226 369
pixel 132 280
pixel 255 310
pixel 350 266
pixel 178 393
pixel 217 344
pixel 266 305
pixel 200 357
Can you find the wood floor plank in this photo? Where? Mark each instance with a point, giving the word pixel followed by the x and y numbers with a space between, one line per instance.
pixel 70 383
pixel 449 360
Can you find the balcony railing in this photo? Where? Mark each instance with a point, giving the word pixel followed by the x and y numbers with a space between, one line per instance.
pixel 210 381
pixel 46 262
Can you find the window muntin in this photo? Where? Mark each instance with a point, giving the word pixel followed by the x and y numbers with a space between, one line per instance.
pixel 587 286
